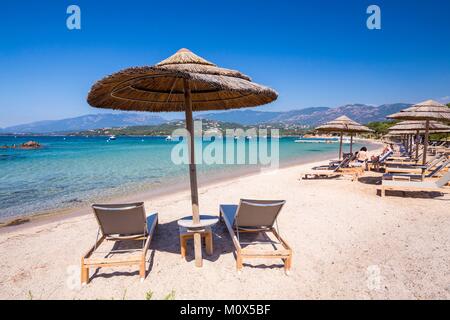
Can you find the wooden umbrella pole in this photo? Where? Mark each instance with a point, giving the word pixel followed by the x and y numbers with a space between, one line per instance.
pixel 417 145
pixel 191 148
pixel 340 146
pixel 425 142
pixel 193 173
pixel 410 143
pixel 408 137
pixel 351 142
pixel 406 143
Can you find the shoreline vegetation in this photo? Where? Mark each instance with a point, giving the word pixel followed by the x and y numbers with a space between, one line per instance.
pixel 166 129
pixel 380 128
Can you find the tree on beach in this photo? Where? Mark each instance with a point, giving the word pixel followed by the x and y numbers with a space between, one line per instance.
pixel 381 127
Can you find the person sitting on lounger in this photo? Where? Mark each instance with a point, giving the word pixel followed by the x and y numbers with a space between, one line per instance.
pixel 362 155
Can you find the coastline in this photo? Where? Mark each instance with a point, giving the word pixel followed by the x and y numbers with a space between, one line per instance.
pixel 39 218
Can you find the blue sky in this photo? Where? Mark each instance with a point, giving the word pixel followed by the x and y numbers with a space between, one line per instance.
pixel 314 53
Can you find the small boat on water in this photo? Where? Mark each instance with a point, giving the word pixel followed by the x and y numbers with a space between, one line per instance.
pixel 169 138
pixel 113 137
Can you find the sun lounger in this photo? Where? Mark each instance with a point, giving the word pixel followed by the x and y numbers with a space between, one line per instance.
pixel 416 169
pixel 438 185
pixel 120 223
pixel 433 173
pixel 256 217
pixel 406 156
pixel 335 164
pixel 342 169
pixel 381 161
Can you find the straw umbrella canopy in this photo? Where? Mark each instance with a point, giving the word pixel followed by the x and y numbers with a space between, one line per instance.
pixel 426 111
pixel 413 126
pixel 343 124
pixel 410 128
pixel 183 82
pixel 401 132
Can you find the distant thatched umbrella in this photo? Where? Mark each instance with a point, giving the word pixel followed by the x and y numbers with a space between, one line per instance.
pixel 414 126
pixel 182 82
pixel 409 129
pixel 343 124
pixel 403 132
pixel 427 111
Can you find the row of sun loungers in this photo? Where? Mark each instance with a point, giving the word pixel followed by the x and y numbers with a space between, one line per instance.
pixel 125 223
pixel 402 171
pixel 405 173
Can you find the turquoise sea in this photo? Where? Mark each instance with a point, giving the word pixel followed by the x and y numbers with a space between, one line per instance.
pixel 71 171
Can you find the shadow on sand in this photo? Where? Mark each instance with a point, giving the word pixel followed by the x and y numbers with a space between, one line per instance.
pixel 370 180
pixel 166 239
pixel 415 194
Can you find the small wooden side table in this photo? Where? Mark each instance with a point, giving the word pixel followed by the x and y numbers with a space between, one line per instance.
pixel 186 234
pixel 197 229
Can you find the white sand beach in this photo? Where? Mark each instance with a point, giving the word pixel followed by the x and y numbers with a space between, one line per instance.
pixel 348 243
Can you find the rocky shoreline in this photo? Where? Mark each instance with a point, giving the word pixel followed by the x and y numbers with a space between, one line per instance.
pixel 26 145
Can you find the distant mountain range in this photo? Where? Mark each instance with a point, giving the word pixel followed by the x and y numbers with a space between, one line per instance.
pixel 361 113
pixel 306 117
pixel 88 122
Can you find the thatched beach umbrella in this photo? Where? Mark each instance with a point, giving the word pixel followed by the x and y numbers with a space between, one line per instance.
pixel 343 124
pixel 420 126
pixel 426 111
pixel 183 82
pixel 416 128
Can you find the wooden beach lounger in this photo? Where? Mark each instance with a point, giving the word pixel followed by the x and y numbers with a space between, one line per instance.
pixel 416 169
pixel 439 169
pixel 256 217
pixel 342 169
pixel 425 186
pixel 120 223
pixel 379 162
